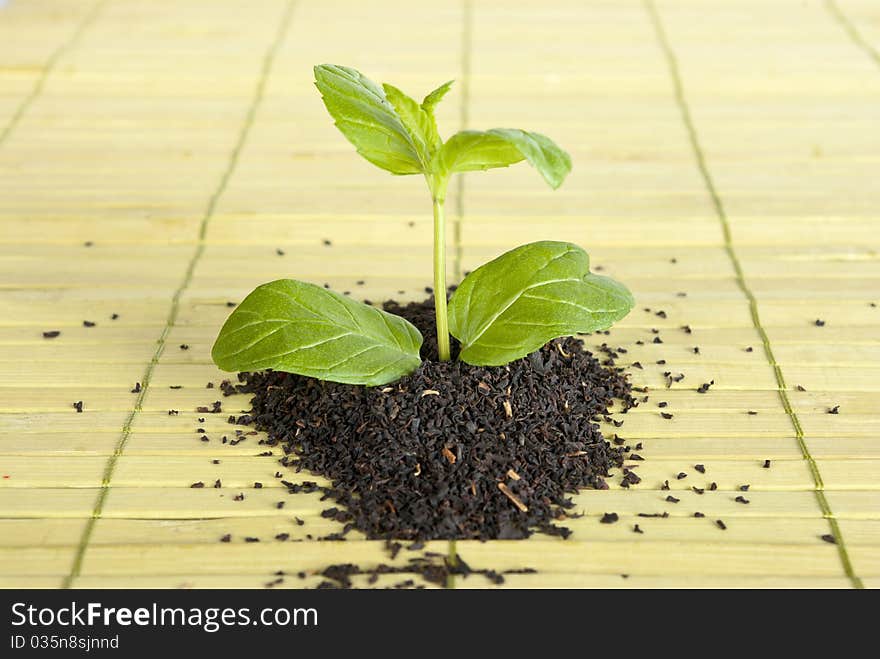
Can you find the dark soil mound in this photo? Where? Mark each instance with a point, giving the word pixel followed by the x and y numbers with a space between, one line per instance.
pixel 452 450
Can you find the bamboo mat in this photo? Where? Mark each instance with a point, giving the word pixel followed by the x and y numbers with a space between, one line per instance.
pixel 155 155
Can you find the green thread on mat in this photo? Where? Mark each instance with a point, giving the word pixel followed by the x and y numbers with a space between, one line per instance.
pixel 452 560
pixel 850 28
pixel 268 60
pixel 681 101
pixel 467 25
pixel 87 20
pixel 467 10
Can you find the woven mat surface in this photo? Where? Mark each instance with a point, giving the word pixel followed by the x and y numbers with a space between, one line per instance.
pixel 155 155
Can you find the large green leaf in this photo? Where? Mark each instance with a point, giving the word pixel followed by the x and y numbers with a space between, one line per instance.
pixel 364 115
pixel 528 296
pixel 292 326
pixel 471 150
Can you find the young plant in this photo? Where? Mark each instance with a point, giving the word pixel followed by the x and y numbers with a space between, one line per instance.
pixel 502 311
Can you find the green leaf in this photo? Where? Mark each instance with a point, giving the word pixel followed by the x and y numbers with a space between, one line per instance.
pixel 431 100
pixel 292 326
pixel 471 150
pixel 528 296
pixel 428 104
pixel 419 126
pixel 366 118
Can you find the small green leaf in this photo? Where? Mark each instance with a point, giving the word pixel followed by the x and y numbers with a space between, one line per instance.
pixel 366 118
pixel 428 104
pixel 419 126
pixel 528 296
pixel 292 326
pixel 472 150
pixel 431 100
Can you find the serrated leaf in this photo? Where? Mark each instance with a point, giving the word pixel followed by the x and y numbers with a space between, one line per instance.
pixel 419 126
pixel 366 118
pixel 479 150
pixel 292 326
pixel 528 296
pixel 431 100
pixel 428 104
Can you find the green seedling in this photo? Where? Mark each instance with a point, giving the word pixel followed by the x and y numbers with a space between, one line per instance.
pixel 502 311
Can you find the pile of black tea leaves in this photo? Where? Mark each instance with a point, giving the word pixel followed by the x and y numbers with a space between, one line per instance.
pixel 452 450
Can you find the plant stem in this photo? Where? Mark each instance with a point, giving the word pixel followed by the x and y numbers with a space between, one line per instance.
pixel 440 280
